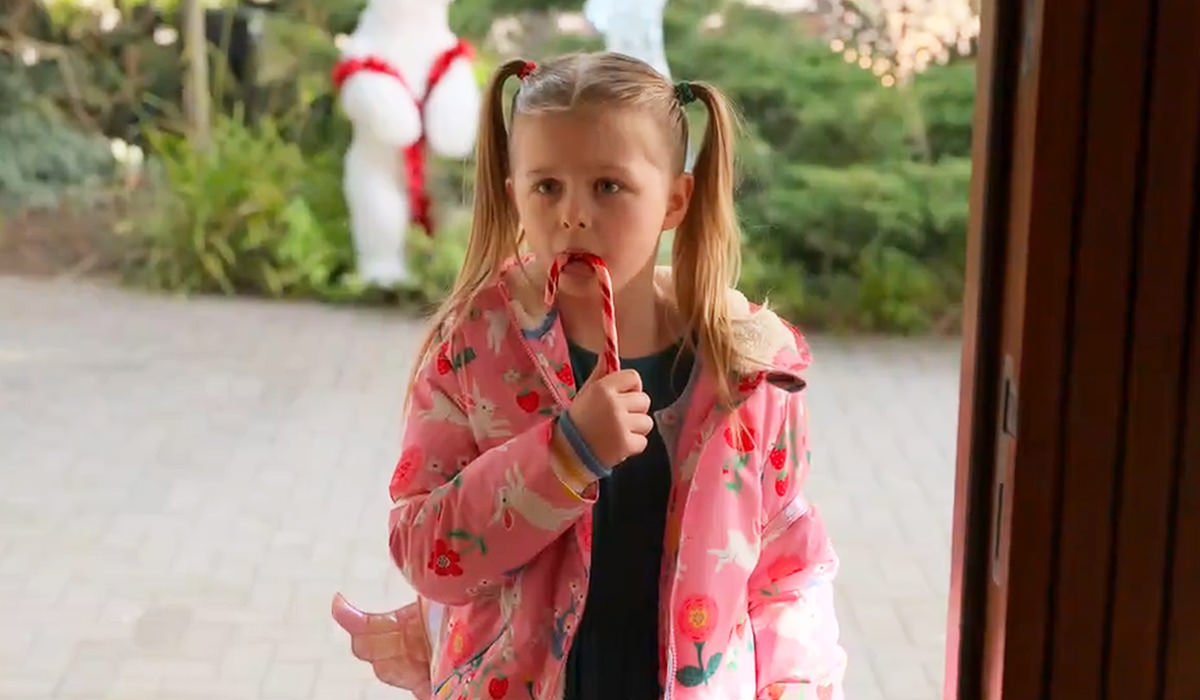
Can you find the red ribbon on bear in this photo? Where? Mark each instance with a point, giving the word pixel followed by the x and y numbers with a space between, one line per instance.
pixel 420 205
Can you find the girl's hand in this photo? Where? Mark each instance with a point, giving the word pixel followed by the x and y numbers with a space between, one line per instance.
pixel 612 413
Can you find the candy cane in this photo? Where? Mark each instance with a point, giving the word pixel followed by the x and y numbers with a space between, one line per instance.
pixel 611 359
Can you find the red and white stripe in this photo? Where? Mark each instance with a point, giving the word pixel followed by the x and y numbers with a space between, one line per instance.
pixel 611 358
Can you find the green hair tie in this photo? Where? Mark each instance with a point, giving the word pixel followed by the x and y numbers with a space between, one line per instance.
pixel 684 93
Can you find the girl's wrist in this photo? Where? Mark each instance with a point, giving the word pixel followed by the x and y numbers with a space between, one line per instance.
pixel 565 427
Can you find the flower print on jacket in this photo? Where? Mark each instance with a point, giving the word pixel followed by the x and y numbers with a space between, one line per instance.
pixel 444 561
pixel 697 618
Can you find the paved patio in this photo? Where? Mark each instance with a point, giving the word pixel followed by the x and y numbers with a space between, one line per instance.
pixel 184 484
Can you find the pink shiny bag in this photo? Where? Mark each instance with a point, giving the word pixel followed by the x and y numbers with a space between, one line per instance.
pixel 395 643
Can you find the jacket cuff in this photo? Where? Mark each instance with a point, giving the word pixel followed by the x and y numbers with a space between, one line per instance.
pixel 575 478
pixel 567 427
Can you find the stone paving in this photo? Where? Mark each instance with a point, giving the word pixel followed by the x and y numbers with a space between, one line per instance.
pixel 184 484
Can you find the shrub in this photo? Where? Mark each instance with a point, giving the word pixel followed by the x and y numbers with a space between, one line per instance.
pixel 243 215
pixel 44 155
pixel 874 247
pixel 845 225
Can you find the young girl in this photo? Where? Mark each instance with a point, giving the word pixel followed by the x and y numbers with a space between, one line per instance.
pixel 578 533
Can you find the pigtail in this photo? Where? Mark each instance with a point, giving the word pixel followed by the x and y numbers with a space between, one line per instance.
pixel 494 221
pixel 707 248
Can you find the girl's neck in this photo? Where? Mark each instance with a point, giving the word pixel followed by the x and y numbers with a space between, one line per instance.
pixel 644 323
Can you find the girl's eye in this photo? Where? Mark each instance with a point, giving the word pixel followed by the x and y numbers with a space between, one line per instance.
pixel 608 186
pixel 546 187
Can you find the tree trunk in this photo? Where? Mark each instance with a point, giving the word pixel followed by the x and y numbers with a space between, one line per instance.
pixel 195 83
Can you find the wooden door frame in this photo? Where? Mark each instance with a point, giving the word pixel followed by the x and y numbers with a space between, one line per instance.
pixel 996 68
pixel 1024 188
pixel 1073 573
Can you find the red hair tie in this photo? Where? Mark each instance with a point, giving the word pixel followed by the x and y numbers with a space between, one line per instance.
pixel 526 69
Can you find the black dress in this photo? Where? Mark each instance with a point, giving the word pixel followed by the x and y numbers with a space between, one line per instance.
pixel 615 651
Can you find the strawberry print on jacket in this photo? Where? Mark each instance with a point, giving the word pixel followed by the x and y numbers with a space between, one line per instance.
pixel 482 524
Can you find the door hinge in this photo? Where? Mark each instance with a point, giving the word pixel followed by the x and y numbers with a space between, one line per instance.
pixel 1006 438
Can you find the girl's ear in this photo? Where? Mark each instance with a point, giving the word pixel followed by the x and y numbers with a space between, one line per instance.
pixel 678 199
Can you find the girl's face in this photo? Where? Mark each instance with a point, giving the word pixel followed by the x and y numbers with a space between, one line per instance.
pixel 596 180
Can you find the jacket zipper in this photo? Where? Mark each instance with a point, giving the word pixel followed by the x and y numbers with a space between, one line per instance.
pixel 559 399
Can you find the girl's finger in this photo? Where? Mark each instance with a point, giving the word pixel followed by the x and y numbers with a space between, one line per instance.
pixel 634 401
pixel 639 423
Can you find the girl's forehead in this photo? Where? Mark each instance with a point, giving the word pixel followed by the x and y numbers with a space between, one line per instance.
pixel 587 137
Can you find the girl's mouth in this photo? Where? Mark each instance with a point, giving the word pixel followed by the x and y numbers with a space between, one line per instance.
pixel 577 268
pixel 577 265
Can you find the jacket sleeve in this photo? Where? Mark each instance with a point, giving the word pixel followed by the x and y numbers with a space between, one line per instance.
pixel 797 652
pixel 461 520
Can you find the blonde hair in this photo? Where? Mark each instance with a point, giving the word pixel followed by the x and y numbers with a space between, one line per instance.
pixel 706 254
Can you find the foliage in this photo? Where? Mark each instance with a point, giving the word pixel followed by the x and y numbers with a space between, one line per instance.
pixel 946 95
pixel 103 78
pixel 881 247
pixel 810 106
pixel 44 155
pixel 474 17
pixel 237 217
pixel 845 225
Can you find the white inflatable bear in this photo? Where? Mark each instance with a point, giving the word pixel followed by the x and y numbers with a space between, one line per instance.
pixel 407 86
pixel 631 27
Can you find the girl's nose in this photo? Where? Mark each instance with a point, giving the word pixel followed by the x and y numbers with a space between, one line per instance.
pixel 576 214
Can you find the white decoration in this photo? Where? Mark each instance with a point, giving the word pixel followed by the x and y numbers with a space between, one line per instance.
pixel 409 36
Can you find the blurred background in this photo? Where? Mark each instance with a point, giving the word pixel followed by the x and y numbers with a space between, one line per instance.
pixel 201 401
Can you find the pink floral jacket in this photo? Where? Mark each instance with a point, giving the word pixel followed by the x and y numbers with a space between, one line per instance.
pixel 483 524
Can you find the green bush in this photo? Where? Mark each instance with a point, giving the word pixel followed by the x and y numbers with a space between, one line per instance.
pixel 802 100
pixel 44 155
pixel 946 95
pixel 876 247
pixel 847 224
pixel 250 214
